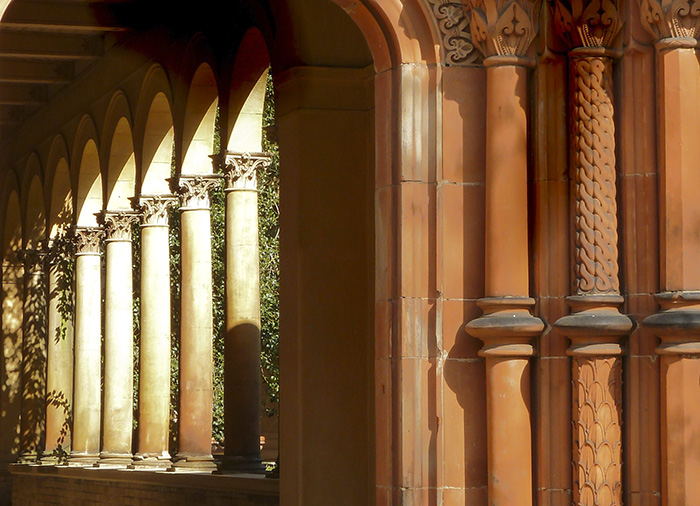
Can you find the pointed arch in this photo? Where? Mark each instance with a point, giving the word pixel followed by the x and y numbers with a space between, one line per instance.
pixel 87 168
pixel 200 121
pixel 58 188
pixel 33 204
pixel 118 154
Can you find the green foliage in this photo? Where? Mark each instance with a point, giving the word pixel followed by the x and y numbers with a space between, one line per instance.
pixel 63 266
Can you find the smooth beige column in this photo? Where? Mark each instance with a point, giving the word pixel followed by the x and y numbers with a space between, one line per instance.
pixel 154 378
pixel 87 398
pixel 196 370
pixel 119 341
pixel 243 379
pixel 59 368
pixel 34 352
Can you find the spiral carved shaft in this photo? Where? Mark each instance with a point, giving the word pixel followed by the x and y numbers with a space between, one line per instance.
pixel 593 144
pixel 597 401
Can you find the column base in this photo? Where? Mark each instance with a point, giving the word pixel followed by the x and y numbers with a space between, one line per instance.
pixel 54 457
pixel 150 461
pixel 82 459
pixel 241 464
pixel 114 460
pixel 192 463
pixel 28 458
pixel 677 324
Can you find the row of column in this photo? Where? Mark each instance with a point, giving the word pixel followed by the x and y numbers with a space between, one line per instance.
pixel 504 32
pixel 74 370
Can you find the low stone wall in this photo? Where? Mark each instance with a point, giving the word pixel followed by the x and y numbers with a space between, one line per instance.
pixel 36 485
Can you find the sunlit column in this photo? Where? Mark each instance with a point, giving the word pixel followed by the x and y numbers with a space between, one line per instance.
pixel 119 341
pixel 243 380
pixel 87 398
pixel 34 356
pixel 154 377
pixel 196 369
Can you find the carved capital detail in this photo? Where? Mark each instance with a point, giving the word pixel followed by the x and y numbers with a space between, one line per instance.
pixel 34 259
pixel 453 23
pixel 87 240
pixel 503 27
pixel 671 19
pixel 241 169
pixel 587 23
pixel 117 224
pixel 194 189
pixel 154 208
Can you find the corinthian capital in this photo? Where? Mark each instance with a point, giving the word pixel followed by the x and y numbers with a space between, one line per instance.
pixel 587 23
pixel 503 27
pixel 154 208
pixel 672 19
pixel 241 169
pixel 194 189
pixel 117 224
pixel 87 240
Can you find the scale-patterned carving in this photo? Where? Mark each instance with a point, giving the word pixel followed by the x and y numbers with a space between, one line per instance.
pixel 597 401
pixel 593 157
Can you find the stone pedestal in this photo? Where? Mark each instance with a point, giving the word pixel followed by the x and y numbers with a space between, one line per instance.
pixel 119 341
pixel 87 395
pixel 154 378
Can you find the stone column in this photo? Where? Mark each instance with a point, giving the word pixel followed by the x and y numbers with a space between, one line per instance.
pixel 243 379
pixel 675 26
pixel 34 357
pixel 119 340
pixel 59 370
pixel 154 377
pixel 87 395
pixel 196 326
pixel 507 327
pixel 595 326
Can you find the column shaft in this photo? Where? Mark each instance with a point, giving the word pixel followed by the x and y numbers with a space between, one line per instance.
pixel 88 349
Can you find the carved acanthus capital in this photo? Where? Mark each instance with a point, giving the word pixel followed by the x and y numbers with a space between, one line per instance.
pixel 453 22
pixel 194 189
pixel 587 23
pixel 672 19
pixel 154 208
pixel 34 259
pixel 241 169
pixel 117 224
pixel 503 27
pixel 87 240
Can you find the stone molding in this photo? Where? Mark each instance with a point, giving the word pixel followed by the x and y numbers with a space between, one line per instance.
pixel 194 189
pixel 453 23
pixel 678 20
pixel 587 23
pixel 678 323
pixel 241 169
pixel 154 208
pixel 503 27
pixel 88 240
pixel 117 224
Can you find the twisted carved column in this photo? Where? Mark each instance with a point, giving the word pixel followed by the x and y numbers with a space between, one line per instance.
pixel 243 381
pixel 34 356
pixel 59 369
pixel 675 25
pixel 87 395
pixel 503 31
pixel 196 371
pixel 119 340
pixel 154 377
pixel 595 325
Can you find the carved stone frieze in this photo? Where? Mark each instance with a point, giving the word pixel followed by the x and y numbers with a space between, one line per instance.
pixel 503 27
pixel 154 208
pixel 587 23
pixel 672 19
pixel 453 23
pixel 241 169
pixel 87 240
pixel 117 224
pixel 194 189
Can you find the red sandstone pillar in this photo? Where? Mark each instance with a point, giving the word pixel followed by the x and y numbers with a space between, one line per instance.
pixel 507 327
pixel 595 325
pixel 678 322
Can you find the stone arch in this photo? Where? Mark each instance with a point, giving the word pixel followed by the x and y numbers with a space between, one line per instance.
pixel 200 121
pixel 118 154
pixel 33 204
pixel 58 187
pixel 87 169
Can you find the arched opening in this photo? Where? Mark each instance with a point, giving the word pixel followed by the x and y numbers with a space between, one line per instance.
pixel 121 168
pixel 157 147
pixel 200 122
pixel 89 195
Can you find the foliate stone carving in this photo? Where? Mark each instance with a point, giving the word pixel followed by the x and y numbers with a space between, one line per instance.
pixel 593 164
pixel 194 190
pixel 672 19
pixel 241 169
pixel 154 208
pixel 34 259
pixel 597 444
pixel 453 23
pixel 117 224
pixel 87 240
pixel 587 23
pixel 503 27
